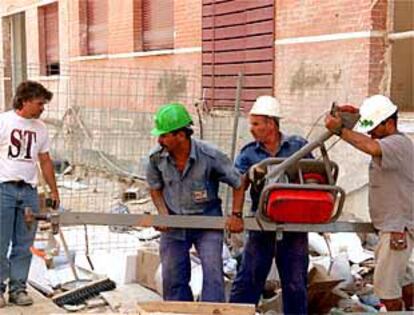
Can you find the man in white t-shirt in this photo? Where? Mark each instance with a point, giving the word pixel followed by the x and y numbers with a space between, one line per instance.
pixel 24 142
pixel 391 197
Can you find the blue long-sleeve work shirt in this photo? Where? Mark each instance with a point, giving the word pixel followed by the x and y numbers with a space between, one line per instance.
pixel 195 190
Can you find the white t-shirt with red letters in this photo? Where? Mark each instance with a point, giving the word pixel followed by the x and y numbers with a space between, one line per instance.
pixel 21 140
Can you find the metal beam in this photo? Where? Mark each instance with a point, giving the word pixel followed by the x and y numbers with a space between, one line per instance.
pixel 204 222
pixel 401 35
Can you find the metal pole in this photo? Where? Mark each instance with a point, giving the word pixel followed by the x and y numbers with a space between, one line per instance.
pixel 401 35
pixel 235 132
pixel 236 116
pixel 294 158
pixel 203 222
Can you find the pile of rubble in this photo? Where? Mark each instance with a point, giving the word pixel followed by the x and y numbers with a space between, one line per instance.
pixel 340 271
pixel 340 276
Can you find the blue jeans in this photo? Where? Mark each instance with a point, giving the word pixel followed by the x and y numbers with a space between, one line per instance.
pixel 291 254
pixel 15 263
pixel 176 265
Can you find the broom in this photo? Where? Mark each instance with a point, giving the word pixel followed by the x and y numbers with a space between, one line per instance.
pixel 84 292
pixel 81 289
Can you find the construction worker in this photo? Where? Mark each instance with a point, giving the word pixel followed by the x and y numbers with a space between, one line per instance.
pixel 184 175
pixel 391 196
pixel 24 141
pixel 291 252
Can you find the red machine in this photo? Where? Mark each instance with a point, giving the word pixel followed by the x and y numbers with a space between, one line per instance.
pixel 308 196
pixel 298 190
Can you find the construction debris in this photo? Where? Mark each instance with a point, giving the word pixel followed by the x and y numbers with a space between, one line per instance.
pixel 148 261
pixel 340 276
pixel 190 308
pixel 125 298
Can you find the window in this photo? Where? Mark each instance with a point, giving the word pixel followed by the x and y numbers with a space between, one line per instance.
pixel 158 24
pixel 237 38
pixel 402 79
pixel 49 39
pixel 97 26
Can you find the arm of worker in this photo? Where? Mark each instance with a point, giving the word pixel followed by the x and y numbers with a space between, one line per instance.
pixel 224 170
pixel 48 173
pixel 159 203
pixel 155 182
pixel 360 141
pixel 234 222
pixel 158 200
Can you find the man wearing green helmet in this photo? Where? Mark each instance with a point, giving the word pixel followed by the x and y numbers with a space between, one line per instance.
pixel 184 175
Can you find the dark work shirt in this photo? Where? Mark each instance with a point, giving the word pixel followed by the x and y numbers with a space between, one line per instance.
pixel 195 190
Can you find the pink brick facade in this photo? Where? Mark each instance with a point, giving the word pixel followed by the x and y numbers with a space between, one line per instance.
pixel 315 72
pixel 324 50
pixel 124 44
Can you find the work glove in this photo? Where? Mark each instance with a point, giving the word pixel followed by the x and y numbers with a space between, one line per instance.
pixel 349 115
pixel 256 174
pixel 343 116
pixel 347 108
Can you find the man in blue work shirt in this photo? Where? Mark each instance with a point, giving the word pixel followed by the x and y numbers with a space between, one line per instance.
pixel 291 253
pixel 184 175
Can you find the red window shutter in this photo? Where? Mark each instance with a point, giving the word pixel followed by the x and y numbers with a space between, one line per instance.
pixel 97 19
pixel 52 33
pixel 237 37
pixel 48 17
pixel 158 24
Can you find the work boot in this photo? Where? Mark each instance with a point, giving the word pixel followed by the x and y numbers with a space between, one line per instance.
pixel 20 298
pixel 2 301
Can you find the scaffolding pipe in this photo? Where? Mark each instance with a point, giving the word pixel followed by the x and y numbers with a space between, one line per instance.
pixel 235 133
pixel 204 222
pixel 401 35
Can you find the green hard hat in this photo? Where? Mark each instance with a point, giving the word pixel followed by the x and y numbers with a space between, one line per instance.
pixel 170 117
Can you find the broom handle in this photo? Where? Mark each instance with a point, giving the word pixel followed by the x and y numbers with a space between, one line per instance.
pixel 66 249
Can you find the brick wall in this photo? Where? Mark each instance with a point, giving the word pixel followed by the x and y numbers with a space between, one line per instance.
pixel 310 17
pixel 120 27
pixel 12 5
pixel 124 42
pixel 316 77
pixel 315 73
pixel 187 21
pixel 306 74
pixel 124 26
pixel 77 30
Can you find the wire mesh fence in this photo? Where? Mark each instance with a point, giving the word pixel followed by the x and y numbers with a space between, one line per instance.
pixel 100 120
pixel 99 123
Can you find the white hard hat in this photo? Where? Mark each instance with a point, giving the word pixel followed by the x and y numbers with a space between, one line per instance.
pixel 373 111
pixel 266 105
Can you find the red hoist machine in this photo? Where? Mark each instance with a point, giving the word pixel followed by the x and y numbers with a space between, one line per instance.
pixel 299 190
